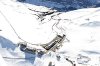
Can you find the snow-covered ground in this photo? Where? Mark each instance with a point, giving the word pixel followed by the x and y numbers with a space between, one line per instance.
pixel 81 27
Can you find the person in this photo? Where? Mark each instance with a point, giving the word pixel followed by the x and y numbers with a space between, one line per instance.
pixel 51 64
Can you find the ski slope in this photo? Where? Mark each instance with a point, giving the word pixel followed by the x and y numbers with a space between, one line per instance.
pixel 81 27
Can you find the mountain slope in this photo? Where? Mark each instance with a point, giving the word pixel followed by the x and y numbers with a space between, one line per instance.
pixel 81 28
pixel 64 5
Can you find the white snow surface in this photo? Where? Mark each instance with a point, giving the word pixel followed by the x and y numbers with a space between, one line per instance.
pixel 81 27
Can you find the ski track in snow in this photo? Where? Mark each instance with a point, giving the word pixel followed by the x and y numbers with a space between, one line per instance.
pixel 82 28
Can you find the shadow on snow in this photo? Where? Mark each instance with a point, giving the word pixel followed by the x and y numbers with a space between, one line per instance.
pixel 7 44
